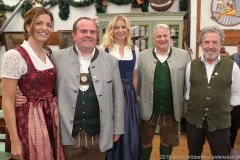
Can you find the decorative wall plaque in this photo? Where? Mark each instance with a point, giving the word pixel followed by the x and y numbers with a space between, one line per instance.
pixel 226 12
pixel 161 5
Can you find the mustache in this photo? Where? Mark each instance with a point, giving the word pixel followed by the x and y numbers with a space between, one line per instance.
pixel 213 50
pixel 87 39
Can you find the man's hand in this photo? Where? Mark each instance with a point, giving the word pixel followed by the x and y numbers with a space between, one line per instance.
pixel 184 113
pixel 116 137
pixel 20 99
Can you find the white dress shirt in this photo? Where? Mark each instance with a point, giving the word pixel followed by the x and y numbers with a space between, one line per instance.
pixel 161 57
pixel 84 64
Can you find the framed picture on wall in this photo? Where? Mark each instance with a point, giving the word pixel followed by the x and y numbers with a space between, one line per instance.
pixel 65 39
pixel 13 39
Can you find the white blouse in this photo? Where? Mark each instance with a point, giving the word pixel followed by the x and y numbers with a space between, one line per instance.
pixel 14 65
pixel 127 53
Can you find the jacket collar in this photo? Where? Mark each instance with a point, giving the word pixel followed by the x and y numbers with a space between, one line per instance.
pixel 155 56
pixel 95 54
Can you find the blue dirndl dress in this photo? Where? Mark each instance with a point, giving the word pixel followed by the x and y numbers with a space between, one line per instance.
pixel 128 147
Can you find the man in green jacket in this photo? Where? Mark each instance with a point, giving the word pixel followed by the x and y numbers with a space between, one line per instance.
pixel 161 73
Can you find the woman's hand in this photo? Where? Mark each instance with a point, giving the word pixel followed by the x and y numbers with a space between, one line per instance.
pixel 17 150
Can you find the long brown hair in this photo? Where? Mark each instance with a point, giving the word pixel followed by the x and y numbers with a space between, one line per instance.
pixel 31 16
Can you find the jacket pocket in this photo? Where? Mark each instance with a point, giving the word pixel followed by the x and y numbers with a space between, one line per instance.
pixel 109 81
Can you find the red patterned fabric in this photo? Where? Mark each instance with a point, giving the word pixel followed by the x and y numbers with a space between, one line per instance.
pixel 38 119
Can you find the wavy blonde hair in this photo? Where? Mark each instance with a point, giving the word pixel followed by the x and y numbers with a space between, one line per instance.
pixel 108 39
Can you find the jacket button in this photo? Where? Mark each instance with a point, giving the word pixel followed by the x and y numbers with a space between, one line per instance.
pixel 75 91
pixel 71 121
pixel 208 98
pixel 77 76
pixel 73 106
pixel 208 87
pixel 151 81
pixel 151 102
pixel 151 92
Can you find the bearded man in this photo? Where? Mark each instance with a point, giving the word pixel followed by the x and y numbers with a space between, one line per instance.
pixel 212 91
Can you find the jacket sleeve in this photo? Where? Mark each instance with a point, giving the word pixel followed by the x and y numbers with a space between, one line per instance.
pixel 118 102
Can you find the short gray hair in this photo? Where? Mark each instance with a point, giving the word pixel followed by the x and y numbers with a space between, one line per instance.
pixel 161 26
pixel 211 29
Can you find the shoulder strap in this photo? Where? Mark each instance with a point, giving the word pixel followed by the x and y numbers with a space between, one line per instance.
pixel 24 54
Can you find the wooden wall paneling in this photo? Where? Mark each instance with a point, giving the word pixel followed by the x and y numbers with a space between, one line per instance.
pixel 231 37
pixel 53 40
pixel 2 41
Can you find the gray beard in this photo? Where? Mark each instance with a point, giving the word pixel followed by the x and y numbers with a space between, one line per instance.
pixel 210 57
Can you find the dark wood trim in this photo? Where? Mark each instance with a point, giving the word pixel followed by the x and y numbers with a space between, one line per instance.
pixel 198 26
pixel 231 37
pixel 53 40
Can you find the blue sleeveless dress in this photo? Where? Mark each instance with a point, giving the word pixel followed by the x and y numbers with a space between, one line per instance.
pixel 128 147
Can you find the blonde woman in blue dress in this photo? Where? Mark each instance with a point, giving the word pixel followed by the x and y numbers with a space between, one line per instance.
pixel 117 42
